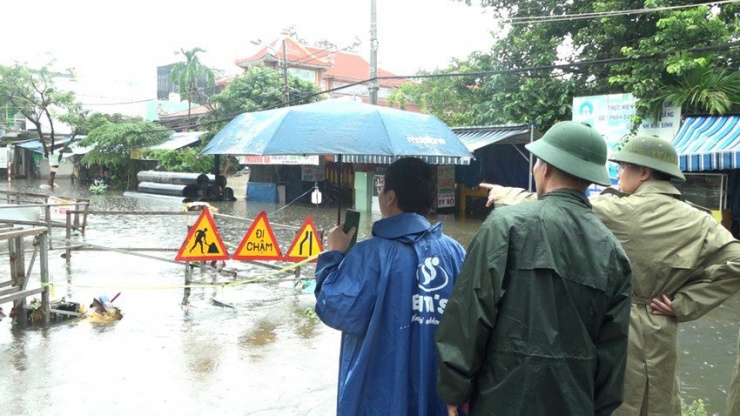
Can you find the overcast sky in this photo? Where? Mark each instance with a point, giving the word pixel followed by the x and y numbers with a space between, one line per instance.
pixel 126 40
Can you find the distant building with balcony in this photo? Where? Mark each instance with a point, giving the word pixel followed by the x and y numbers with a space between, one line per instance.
pixel 342 73
pixel 330 69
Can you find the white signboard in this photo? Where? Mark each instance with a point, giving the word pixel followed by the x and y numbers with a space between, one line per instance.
pixel 313 173
pixel 59 208
pixel 445 186
pixel 611 115
pixel 3 157
pixel 278 160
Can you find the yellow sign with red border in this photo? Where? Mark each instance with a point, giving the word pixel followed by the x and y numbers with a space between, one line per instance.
pixel 259 243
pixel 203 242
pixel 306 243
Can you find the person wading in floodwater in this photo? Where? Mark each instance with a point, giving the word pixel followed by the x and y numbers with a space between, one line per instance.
pixel 200 239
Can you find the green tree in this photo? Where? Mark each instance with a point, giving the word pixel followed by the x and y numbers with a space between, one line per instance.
pixel 259 88
pixel 550 53
pixel 186 159
pixel 446 97
pixel 693 61
pixel 33 93
pixel 112 142
pixel 7 112
pixel 700 90
pixel 187 74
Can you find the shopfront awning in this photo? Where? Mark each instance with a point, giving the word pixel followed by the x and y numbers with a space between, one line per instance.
pixel 475 138
pixel 499 154
pixel 179 140
pixel 706 143
pixel 35 145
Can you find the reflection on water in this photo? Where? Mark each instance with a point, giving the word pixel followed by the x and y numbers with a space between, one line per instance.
pixel 263 333
pixel 266 355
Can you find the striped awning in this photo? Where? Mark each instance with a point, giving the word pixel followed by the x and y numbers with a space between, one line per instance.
pixel 706 143
pixel 473 138
pixel 387 160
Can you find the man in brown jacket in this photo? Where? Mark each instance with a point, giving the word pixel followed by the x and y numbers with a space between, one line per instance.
pixel 684 264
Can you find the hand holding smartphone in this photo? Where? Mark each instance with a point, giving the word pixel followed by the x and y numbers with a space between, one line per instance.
pixel 351 219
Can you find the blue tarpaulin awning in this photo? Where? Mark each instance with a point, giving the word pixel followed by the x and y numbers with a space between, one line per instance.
pixel 706 143
pixel 35 146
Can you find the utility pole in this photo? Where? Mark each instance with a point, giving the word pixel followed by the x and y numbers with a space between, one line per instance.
pixel 373 88
pixel 285 70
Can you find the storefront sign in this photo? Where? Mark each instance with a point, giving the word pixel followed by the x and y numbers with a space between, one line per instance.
pixel 278 160
pixel 445 186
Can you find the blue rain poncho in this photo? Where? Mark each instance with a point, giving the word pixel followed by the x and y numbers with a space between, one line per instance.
pixel 387 296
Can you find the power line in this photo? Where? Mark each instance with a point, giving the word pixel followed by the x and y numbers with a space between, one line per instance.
pixel 593 15
pixel 480 74
pixel 582 64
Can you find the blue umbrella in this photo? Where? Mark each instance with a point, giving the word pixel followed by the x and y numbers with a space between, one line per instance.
pixel 336 127
pixel 356 132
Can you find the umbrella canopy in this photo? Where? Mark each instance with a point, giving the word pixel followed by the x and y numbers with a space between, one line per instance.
pixel 361 132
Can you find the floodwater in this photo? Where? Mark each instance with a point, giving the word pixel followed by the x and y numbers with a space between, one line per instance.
pixel 268 355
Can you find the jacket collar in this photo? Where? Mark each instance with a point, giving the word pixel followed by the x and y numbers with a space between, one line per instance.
pixel 658 187
pixel 411 226
pixel 568 194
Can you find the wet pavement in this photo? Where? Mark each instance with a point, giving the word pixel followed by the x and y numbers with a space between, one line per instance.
pixel 268 355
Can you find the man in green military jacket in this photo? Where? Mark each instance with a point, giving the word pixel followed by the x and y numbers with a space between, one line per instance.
pixel 538 319
pixel 684 264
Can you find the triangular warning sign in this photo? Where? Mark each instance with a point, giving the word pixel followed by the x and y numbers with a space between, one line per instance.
pixel 259 242
pixel 306 243
pixel 203 242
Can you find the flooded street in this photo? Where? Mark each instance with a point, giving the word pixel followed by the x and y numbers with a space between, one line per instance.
pixel 269 355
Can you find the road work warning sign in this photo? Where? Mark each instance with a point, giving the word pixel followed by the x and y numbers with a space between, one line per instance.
pixel 306 243
pixel 259 243
pixel 203 242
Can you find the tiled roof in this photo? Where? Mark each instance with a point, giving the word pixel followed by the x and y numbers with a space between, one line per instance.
pixel 297 55
pixel 352 67
pixel 338 65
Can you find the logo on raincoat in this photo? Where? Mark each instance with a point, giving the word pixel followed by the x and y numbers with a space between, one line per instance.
pixel 431 278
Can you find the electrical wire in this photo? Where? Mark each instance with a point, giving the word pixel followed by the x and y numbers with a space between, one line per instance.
pixel 596 15
pixel 572 66
pixel 478 74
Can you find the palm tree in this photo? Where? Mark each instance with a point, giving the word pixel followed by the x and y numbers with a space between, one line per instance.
pixel 186 75
pixel 701 90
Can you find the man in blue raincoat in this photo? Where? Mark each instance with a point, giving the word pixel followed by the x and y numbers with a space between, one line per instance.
pixel 387 295
pixel 538 321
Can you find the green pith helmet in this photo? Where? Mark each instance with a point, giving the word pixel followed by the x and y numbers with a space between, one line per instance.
pixel 651 152
pixel 575 149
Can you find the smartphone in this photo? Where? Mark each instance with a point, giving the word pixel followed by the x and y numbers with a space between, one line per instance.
pixel 352 219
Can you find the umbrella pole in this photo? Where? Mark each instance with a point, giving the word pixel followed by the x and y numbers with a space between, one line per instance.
pixel 531 139
pixel 339 187
pixel 216 165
